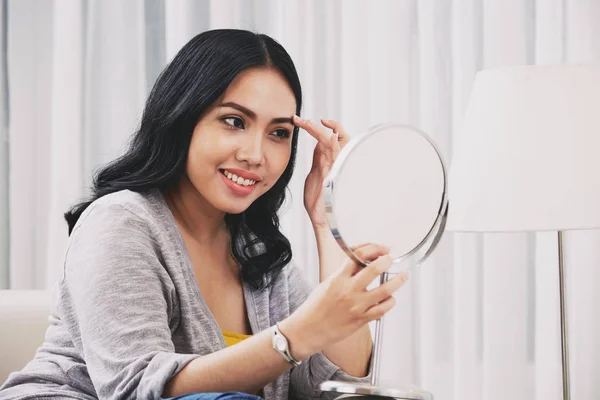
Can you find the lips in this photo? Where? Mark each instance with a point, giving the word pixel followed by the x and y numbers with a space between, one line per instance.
pixel 243 189
pixel 243 174
pixel 238 179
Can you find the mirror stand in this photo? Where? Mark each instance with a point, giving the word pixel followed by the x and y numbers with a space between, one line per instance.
pixel 407 213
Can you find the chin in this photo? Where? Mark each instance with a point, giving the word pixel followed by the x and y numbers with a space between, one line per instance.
pixel 234 208
pixel 235 211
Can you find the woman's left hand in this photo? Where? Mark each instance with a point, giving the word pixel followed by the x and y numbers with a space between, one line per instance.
pixel 326 151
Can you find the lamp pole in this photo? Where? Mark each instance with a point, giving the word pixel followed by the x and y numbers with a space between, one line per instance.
pixel 563 319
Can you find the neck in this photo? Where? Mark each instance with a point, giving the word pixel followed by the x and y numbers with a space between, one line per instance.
pixel 194 215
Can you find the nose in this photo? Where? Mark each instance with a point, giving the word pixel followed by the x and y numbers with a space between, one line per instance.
pixel 251 150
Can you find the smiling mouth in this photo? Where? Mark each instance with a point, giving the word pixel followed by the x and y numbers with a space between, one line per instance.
pixel 237 179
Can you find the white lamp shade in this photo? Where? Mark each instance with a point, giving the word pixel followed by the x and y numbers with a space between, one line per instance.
pixel 528 155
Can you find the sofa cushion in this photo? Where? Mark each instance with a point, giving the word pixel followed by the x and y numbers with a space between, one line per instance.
pixel 24 320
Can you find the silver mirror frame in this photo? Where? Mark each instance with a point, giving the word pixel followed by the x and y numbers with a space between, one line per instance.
pixel 437 229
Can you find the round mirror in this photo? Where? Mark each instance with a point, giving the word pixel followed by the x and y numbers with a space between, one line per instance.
pixel 388 186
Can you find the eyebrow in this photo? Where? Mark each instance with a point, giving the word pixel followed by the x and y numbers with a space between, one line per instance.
pixel 252 114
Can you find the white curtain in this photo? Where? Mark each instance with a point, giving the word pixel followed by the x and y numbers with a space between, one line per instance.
pixel 480 319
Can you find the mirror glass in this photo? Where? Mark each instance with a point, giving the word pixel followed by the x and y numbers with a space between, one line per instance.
pixel 388 186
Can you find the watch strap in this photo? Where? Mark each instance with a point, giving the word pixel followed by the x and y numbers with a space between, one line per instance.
pixel 281 345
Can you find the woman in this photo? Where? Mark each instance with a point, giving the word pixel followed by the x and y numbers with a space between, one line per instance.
pixel 177 280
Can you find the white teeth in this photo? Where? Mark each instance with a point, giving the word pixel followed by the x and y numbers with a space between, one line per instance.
pixel 239 180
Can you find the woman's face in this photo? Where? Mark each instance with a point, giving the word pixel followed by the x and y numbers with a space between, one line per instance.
pixel 242 145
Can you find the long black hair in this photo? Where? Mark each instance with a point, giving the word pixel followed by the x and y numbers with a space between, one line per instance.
pixel 156 159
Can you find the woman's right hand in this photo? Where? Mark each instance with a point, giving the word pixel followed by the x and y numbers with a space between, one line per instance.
pixel 341 304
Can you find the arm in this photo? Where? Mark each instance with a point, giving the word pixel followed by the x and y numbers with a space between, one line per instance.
pixel 246 367
pixel 305 378
pixel 352 354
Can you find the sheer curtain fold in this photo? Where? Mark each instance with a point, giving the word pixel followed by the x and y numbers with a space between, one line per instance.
pixel 467 303
pixel 30 56
pixel 506 297
pixel 478 321
pixel 66 169
pixel 4 150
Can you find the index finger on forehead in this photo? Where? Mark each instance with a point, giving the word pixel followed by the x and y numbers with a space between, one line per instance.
pixel 314 130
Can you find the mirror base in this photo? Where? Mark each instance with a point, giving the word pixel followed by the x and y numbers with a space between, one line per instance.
pixel 352 390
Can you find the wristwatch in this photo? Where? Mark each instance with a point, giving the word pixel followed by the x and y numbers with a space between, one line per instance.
pixel 280 345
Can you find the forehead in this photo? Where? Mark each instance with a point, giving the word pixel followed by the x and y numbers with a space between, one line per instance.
pixel 264 91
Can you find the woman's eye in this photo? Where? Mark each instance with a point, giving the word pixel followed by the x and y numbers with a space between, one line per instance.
pixel 282 133
pixel 234 122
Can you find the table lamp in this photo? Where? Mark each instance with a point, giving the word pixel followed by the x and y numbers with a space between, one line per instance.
pixel 526 159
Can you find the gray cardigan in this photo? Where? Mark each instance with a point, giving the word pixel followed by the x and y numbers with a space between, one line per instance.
pixel 129 315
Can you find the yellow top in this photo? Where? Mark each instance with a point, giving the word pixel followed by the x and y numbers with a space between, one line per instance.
pixel 233 338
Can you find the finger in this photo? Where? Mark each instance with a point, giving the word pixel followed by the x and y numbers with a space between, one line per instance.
pixel 364 277
pixel 335 146
pixel 314 130
pixel 366 252
pixel 359 246
pixel 386 289
pixel 379 310
pixel 369 254
pixel 343 136
pixel 335 138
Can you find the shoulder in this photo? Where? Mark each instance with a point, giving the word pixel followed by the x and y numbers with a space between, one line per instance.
pixel 118 233
pixel 125 220
pixel 121 209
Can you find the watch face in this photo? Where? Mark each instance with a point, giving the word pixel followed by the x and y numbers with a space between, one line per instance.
pixel 280 343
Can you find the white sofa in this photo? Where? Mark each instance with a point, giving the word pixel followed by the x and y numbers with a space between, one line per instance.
pixel 23 323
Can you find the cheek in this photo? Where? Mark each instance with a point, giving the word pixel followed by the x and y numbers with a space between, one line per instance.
pixel 281 160
pixel 196 156
pixel 208 149
pixel 202 159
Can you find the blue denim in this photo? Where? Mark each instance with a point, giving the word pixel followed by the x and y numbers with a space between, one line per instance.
pixel 217 396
